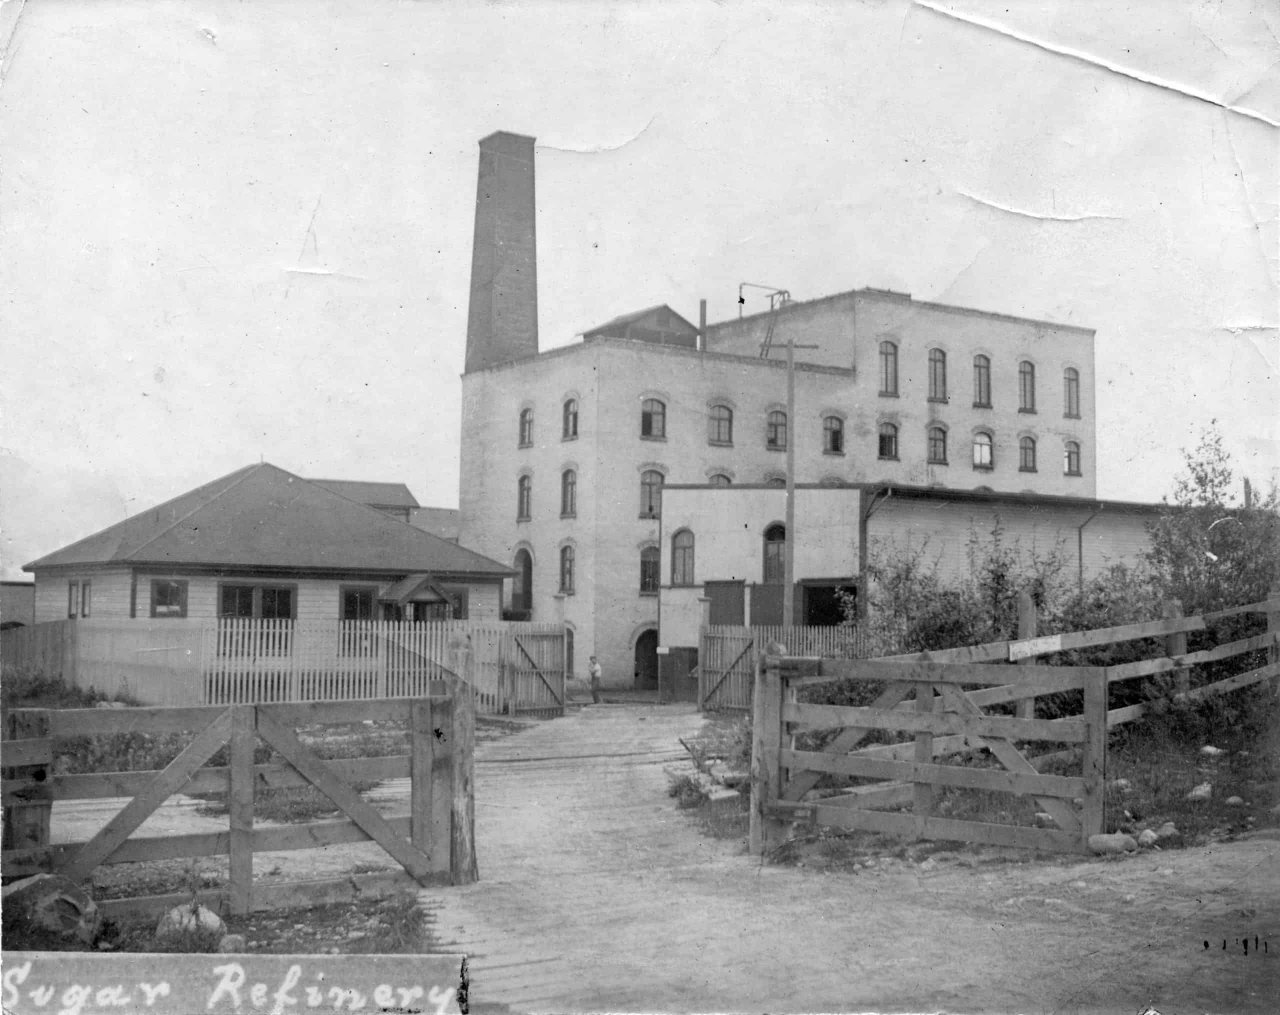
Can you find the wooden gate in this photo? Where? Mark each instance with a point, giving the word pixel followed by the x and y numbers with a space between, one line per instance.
pixel 726 667
pixel 942 718
pixel 434 844
pixel 534 666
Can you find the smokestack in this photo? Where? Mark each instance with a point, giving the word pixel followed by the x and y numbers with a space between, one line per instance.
pixel 702 325
pixel 502 320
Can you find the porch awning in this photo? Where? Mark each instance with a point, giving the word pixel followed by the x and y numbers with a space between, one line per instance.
pixel 416 588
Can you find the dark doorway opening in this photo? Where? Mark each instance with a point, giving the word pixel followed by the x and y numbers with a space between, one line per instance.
pixel 646 672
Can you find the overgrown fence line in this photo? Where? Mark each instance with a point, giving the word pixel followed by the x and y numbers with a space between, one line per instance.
pixel 434 844
pixel 518 667
pixel 938 699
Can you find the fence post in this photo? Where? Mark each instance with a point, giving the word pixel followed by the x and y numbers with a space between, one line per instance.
pixel 1027 627
pixel 240 806
pixel 1176 645
pixel 462 849
pixel 922 793
pixel 766 745
pixel 26 822
pixel 1094 755
pixel 1273 628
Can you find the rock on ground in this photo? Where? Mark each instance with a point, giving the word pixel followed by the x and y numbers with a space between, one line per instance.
pixel 1202 792
pixel 54 904
pixel 190 922
pixel 1116 842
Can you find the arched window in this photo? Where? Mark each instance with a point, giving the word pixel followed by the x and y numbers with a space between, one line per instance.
pixel 775 481
pixel 1071 393
pixel 524 498
pixel 568 493
pixel 650 493
pixel 566 570
pixel 569 429
pixel 937 445
pixel 653 419
pixel 522 583
pixel 775 430
pixel 720 425
pixel 1026 386
pixel 888 441
pixel 526 427
pixel 983 457
pixel 1027 454
pixel 937 375
pixel 682 558
pixel 833 435
pixel 1071 458
pixel 981 382
pixel 719 479
pixel 775 541
pixel 888 368
pixel 650 558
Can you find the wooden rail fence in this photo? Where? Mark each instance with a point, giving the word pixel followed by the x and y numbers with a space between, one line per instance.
pixel 938 699
pixel 433 844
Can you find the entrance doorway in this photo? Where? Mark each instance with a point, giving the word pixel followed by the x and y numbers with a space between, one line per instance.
pixel 647 659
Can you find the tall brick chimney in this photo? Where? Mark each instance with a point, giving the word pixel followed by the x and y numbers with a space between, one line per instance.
pixel 502 322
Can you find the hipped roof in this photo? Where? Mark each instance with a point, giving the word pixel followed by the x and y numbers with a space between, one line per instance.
pixel 264 517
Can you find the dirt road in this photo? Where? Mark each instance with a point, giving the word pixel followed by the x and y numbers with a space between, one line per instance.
pixel 597 894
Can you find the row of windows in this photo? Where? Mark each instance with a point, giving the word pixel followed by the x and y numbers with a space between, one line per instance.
pixel 651 481
pixel 981 381
pixel 168 598
pixel 682 566
pixel 983 450
pixel 653 412
pixel 653 426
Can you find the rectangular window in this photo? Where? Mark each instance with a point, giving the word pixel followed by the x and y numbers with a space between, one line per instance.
pixel 888 368
pixel 256 602
pixel 168 598
pixel 357 603
pixel 73 600
pixel 937 375
pixel 85 589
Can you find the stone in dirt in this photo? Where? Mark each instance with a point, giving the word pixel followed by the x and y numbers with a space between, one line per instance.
pixel 1147 837
pixel 190 922
pixel 232 944
pixel 1117 842
pixel 1202 792
pixel 1234 801
pixel 1122 785
pixel 1044 820
pixel 53 904
pixel 1209 751
pixel 1168 831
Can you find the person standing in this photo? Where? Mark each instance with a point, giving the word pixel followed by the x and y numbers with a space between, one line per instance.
pixel 594 671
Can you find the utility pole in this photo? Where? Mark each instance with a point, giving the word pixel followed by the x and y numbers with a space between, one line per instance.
pixel 789 544
pixel 779 298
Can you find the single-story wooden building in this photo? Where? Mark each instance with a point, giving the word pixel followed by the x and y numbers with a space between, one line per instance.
pixel 265 544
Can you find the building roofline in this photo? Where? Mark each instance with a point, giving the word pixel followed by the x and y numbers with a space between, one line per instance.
pixel 673 350
pixel 953 494
pixel 886 294
pixel 275 570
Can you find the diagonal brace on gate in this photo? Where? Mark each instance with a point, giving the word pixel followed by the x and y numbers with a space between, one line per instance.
pixel 311 767
pixel 113 835
pixel 728 670
pixel 1008 755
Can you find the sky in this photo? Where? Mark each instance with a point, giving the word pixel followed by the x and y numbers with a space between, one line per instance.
pixel 242 232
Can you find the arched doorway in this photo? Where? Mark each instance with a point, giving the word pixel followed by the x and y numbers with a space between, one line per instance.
pixel 647 659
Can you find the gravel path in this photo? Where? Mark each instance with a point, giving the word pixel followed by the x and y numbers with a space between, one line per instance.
pixel 596 894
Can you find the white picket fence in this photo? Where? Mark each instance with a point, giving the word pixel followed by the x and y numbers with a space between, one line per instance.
pixel 517 667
